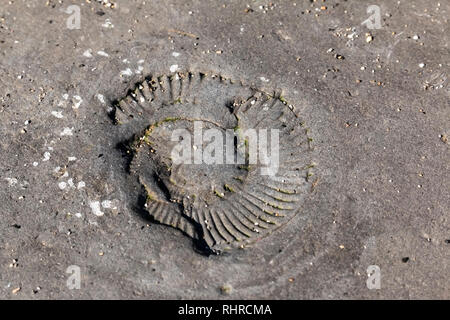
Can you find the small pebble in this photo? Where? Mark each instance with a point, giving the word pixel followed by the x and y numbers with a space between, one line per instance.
pixel 226 289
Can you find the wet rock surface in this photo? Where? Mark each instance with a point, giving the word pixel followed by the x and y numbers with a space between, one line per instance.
pixel 375 102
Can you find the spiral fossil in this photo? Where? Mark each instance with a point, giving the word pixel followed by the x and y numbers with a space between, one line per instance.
pixel 224 205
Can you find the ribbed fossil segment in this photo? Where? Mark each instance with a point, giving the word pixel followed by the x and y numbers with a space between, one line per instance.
pixel 233 200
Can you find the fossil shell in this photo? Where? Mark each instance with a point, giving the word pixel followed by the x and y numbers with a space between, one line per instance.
pixel 223 205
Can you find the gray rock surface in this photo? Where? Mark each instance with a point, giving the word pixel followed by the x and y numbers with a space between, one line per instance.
pixel 376 102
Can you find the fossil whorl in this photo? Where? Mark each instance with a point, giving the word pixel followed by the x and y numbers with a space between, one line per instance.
pixel 226 205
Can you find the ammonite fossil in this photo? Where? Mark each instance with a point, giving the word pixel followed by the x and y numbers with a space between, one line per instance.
pixel 223 162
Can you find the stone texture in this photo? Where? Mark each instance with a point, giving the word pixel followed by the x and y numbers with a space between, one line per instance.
pixel 376 103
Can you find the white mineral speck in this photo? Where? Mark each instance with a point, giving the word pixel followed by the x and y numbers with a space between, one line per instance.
pixel 108 24
pixel 70 183
pixel 11 181
pixel 102 53
pixel 106 204
pixel 100 98
pixel 62 185
pixel 66 132
pixel 81 184
pixel 88 53
pixel 126 72
pixel 57 114
pixel 77 104
pixel 46 156
pixel 95 207
pixel 139 70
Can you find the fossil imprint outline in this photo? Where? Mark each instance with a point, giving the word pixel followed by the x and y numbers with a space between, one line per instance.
pixel 228 205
